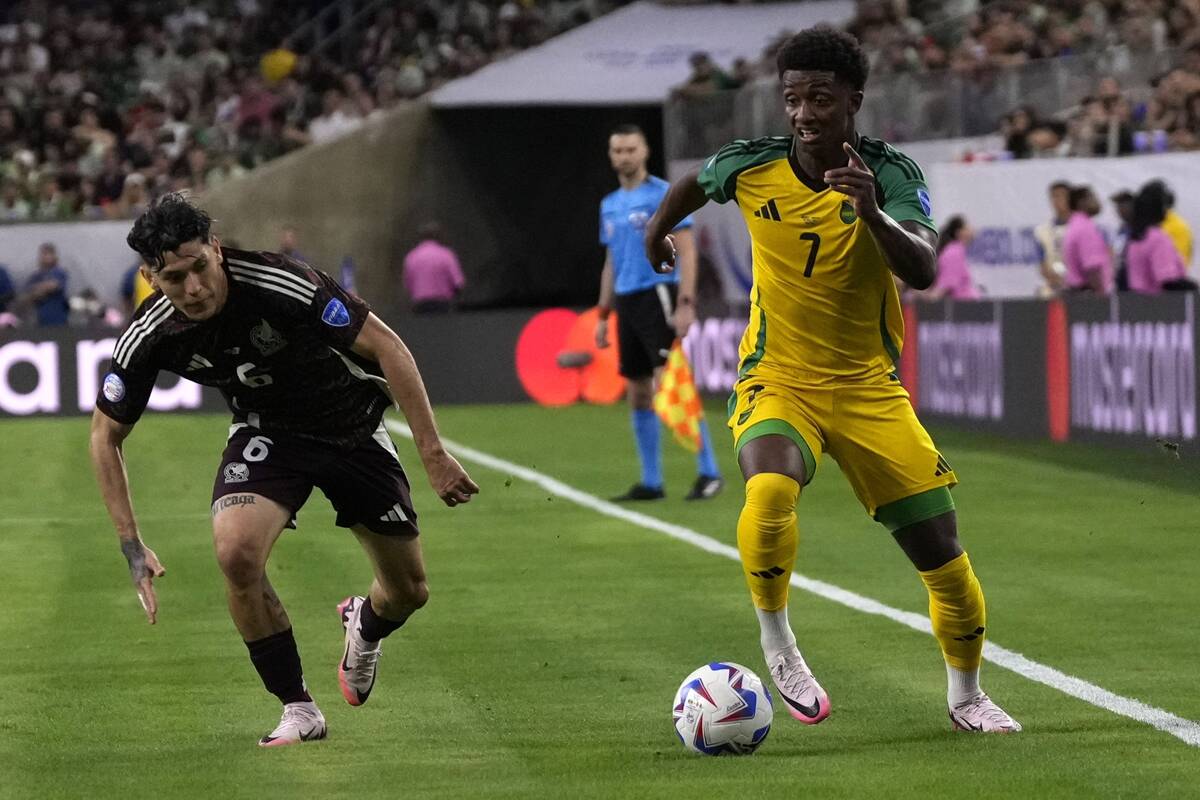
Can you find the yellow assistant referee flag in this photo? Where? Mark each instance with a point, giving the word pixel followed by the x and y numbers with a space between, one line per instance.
pixel 677 402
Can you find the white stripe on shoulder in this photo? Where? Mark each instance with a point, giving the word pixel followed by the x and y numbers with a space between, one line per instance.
pixel 307 300
pixel 139 325
pixel 275 272
pixel 273 280
pixel 160 316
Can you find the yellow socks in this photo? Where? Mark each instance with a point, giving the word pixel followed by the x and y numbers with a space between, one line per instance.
pixel 766 536
pixel 957 612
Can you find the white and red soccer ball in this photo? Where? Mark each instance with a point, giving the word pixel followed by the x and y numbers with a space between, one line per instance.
pixel 722 708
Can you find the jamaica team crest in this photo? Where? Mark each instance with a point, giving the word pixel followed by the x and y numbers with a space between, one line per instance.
pixel 847 212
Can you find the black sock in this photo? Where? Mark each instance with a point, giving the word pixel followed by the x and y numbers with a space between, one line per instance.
pixel 278 663
pixel 375 627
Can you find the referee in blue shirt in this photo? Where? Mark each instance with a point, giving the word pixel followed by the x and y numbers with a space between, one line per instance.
pixel 652 309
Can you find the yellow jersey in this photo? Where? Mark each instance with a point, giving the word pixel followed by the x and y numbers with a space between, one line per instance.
pixel 141 289
pixel 1180 233
pixel 824 308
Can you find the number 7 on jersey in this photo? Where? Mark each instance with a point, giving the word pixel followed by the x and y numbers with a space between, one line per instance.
pixel 814 244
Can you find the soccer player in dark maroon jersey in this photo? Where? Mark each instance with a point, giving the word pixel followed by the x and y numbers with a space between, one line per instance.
pixel 307 371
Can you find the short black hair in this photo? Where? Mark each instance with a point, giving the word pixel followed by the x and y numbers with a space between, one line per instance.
pixel 1149 209
pixel 825 49
pixel 1159 185
pixel 166 225
pixel 1079 194
pixel 950 231
pixel 626 129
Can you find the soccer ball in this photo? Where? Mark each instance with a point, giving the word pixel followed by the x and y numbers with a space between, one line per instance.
pixel 722 708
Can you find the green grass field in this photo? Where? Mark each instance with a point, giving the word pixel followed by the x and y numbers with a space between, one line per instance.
pixel 545 663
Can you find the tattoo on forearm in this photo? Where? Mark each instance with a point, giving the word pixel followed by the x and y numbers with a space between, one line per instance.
pixel 232 501
pixel 135 554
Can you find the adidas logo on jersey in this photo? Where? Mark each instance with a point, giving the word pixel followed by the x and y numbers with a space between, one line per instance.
pixel 769 211
pixel 198 362
pixel 394 514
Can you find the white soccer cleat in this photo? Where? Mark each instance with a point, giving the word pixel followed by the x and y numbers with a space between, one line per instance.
pixel 981 715
pixel 301 722
pixel 803 696
pixel 356 672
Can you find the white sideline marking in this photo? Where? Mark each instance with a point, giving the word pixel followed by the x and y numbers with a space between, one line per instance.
pixel 1184 729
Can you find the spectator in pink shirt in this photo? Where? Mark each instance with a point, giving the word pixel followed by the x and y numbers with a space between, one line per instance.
pixel 1151 258
pixel 432 274
pixel 1085 253
pixel 953 275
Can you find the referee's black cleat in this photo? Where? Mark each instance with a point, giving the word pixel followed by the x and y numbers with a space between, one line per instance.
pixel 705 487
pixel 640 491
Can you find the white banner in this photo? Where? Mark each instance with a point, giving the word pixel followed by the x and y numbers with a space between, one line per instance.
pixel 634 55
pixel 93 253
pixel 1003 201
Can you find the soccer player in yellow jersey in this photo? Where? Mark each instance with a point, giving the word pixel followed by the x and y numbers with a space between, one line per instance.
pixel 833 215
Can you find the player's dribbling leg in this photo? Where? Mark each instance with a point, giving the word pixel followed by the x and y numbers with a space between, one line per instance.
pixel 245 527
pixel 767 539
pixel 959 617
pixel 399 589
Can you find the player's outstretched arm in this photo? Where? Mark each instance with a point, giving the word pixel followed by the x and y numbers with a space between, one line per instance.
pixel 908 247
pixel 108 462
pixel 684 197
pixel 380 343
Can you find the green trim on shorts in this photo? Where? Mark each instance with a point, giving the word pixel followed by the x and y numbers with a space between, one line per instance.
pixel 915 508
pixel 769 427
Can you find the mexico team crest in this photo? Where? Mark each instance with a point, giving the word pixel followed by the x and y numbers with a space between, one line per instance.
pixel 236 472
pixel 266 339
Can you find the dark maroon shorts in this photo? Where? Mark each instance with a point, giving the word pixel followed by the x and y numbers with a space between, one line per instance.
pixel 366 486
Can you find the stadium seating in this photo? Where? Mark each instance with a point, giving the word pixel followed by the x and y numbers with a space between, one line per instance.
pixel 106 106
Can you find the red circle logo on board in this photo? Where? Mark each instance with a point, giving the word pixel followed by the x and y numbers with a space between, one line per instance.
pixel 558 362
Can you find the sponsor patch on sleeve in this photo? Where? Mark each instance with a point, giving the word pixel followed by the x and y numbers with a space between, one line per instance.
pixel 114 388
pixel 335 314
pixel 926 205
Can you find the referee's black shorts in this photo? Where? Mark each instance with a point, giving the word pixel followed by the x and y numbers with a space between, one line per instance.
pixel 644 330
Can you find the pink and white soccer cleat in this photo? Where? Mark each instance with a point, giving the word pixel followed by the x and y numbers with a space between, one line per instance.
pixel 356 672
pixel 301 722
pixel 981 715
pixel 803 696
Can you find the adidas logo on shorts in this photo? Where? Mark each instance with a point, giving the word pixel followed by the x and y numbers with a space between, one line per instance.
pixel 394 514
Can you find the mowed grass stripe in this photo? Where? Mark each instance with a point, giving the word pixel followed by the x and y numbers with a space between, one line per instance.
pixel 1185 730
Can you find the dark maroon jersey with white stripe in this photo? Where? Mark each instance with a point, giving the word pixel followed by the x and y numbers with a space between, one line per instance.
pixel 279 351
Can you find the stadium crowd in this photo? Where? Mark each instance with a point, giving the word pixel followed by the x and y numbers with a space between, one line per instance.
pixel 105 106
pixel 970 42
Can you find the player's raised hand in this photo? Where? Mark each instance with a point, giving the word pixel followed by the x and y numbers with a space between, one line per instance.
pixel 449 479
pixel 144 567
pixel 661 254
pixel 856 181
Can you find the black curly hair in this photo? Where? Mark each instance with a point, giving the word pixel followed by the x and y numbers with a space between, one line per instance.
pixel 825 49
pixel 166 225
